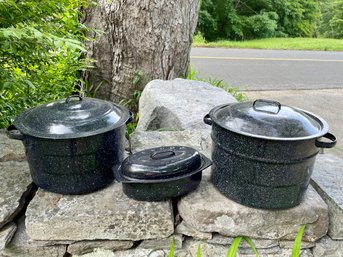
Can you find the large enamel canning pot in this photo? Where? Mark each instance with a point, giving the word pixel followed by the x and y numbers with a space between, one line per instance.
pixel 263 152
pixel 72 144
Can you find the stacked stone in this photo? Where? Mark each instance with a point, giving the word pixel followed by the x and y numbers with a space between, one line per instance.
pixel 107 223
pixel 176 109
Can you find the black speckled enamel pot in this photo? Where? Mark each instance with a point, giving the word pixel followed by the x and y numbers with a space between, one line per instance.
pixel 264 152
pixel 161 173
pixel 73 144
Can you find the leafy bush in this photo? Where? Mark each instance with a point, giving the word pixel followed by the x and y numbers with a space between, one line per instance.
pixel 40 49
pixel 250 19
pixel 331 22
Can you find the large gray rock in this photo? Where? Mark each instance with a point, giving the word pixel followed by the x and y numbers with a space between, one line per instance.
pixel 178 104
pixel 83 247
pixel 106 214
pixel 207 210
pixel 10 149
pixel 327 247
pixel 327 179
pixel 15 185
pixel 6 234
pixel 197 139
pixel 20 246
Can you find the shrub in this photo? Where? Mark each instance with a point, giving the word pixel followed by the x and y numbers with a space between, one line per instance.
pixel 40 49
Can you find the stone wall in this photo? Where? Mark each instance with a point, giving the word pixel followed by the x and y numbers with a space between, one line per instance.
pixel 108 223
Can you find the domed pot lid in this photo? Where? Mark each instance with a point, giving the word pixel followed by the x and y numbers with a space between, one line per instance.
pixel 73 117
pixel 269 120
pixel 163 163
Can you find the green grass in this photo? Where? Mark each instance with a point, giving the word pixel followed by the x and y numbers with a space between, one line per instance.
pixel 233 249
pixel 321 44
pixel 234 91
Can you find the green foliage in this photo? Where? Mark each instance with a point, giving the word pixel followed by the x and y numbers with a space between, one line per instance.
pixel 40 49
pixel 250 19
pixel 233 249
pixel 331 22
pixel 172 249
pixel 199 251
pixel 297 242
pixel 235 244
pixel 234 91
pixel 139 80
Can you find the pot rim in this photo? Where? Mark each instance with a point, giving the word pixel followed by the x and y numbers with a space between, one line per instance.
pixel 125 117
pixel 324 126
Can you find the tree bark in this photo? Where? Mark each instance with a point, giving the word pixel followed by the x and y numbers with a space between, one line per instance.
pixel 152 37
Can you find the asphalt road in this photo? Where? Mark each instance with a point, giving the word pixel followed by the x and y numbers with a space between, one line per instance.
pixel 310 80
pixel 251 69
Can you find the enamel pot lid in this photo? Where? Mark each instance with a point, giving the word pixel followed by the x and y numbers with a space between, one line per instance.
pixel 268 120
pixel 167 162
pixel 74 117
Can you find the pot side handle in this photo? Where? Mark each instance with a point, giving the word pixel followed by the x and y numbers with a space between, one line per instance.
pixel 207 119
pixel 331 144
pixel 13 133
pixel 131 117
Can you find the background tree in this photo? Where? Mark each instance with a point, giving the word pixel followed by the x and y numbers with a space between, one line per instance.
pixel 151 38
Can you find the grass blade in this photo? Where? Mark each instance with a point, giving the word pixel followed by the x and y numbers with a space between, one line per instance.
pixel 252 245
pixel 234 247
pixel 199 251
pixel 297 242
pixel 172 249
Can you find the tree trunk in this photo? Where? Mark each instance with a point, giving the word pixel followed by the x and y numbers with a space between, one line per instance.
pixel 152 37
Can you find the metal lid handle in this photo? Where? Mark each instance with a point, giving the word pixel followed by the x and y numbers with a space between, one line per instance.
pixel 73 96
pixel 162 155
pixel 270 102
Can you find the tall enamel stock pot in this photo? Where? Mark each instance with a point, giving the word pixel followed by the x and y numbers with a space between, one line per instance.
pixel 264 152
pixel 73 144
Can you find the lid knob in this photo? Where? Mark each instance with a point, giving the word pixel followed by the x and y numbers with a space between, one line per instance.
pixel 162 155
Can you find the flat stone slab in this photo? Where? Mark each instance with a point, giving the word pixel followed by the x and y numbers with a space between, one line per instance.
pixel 186 230
pixel 138 252
pixel 15 185
pixel 20 246
pixel 83 247
pixel 163 243
pixel 197 139
pixel 6 234
pixel 10 149
pixel 209 250
pixel 327 247
pixel 207 210
pixel 259 243
pixel 178 104
pixel 327 179
pixel 106 214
